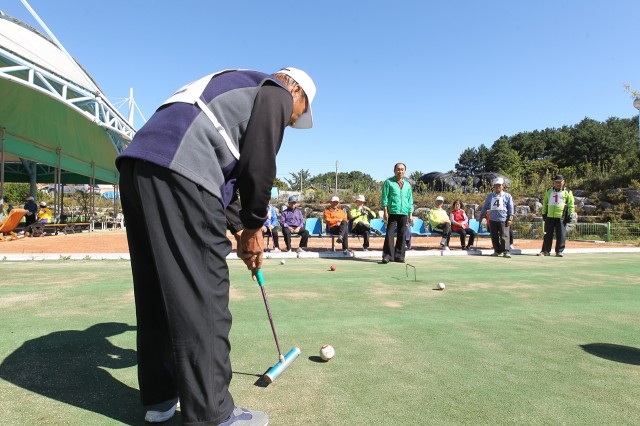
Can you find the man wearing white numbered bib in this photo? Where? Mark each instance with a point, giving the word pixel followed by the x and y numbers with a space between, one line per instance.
pixel 499 204
pixel 558 207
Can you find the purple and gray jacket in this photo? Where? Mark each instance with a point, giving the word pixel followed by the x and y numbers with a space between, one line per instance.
pixel 252 109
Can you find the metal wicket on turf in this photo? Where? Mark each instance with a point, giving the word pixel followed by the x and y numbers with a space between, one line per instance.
pixel 406 269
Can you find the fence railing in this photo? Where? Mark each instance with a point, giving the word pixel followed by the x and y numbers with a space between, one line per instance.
pixel 609 231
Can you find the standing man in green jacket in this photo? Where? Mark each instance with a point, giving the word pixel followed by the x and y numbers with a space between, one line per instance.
pixel 557 209
pixel 397 202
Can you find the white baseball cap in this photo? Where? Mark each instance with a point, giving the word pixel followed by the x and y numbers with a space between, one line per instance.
pixel 334 198
pixel 498 181
pixel 439 198
pixel 360 198
pixel 305 121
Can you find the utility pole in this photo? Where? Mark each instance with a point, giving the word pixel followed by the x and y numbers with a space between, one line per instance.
pixel 336 177
pixel 636 105
pixel 300 182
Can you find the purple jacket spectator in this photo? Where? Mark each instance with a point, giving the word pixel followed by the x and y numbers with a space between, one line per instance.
pixel 291 218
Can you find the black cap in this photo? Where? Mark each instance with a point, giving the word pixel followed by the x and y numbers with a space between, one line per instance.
pixel 558 177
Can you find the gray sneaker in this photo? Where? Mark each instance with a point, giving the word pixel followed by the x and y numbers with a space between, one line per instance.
pixel 543 253
pixel 300 250
pixel 559 254
pixel 164 411
pixel 244 417
pixel 506 254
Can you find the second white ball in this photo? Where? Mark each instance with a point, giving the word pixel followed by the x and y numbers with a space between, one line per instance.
pixel 441 286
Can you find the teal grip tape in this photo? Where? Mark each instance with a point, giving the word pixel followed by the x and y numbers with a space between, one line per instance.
pixel 259 277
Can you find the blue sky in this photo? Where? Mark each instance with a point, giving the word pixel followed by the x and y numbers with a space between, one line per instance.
pixel 410 81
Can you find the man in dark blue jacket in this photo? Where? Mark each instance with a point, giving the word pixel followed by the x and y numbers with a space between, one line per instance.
pixel 31 206
pixel 213 138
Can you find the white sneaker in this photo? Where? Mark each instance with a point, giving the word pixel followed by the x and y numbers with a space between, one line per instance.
pixel 300 250
pixel 276 250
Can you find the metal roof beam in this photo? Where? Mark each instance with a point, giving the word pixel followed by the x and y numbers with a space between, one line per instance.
pixel 102 112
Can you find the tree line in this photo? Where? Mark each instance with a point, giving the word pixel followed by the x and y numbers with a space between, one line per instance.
pixel 605 152
pixel 597 154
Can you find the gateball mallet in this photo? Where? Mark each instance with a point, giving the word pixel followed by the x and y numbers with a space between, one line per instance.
pixel 284 360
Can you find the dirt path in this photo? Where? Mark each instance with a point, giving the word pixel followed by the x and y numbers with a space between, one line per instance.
pixel 116 242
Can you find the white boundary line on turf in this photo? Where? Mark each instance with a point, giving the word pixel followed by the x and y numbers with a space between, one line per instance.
pixel 373 254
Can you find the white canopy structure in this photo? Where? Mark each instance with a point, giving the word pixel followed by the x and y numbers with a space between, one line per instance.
pixel 52 113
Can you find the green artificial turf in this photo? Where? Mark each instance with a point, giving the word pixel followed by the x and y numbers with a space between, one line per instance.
pixel 525 340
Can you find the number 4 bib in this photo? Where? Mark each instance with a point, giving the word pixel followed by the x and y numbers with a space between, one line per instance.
pixel 497 203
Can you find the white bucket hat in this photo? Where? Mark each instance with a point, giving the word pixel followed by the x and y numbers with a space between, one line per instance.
pixel 334 198
pixel 305 121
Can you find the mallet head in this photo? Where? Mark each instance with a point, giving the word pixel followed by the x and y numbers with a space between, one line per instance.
pixel 279 368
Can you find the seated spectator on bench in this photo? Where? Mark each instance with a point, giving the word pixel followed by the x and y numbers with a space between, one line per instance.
pixel 407 237
pixel 337 223
pixel 32 207
pixel 45 214
pixel 292 222
pixel 5 207
pixel 269 228
pixel 440 222
pixel 360 216
pixel 460 224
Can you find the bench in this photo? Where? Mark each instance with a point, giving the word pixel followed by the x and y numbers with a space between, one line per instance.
pixel 317 229
pixel 38 229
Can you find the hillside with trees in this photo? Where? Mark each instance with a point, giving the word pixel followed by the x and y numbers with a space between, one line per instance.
pixel 591 154
pixel 600 160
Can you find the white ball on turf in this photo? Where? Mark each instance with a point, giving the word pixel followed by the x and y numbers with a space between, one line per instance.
pixel 441 286
pixel 327 352
pixel 282 262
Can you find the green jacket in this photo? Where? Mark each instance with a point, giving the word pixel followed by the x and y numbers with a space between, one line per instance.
pixel 555 202
pixel 396 200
